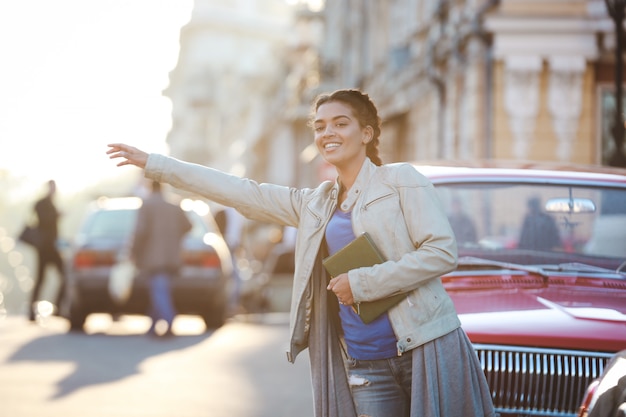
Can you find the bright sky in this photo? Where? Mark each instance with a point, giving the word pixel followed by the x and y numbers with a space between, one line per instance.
pixel 78 74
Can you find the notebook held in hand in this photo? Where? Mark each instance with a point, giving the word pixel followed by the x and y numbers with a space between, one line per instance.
pixel 359 253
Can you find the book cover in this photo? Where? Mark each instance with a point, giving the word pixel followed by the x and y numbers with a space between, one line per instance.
pixel 359 253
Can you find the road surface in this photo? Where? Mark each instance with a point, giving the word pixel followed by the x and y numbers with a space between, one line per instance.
pixel 114 369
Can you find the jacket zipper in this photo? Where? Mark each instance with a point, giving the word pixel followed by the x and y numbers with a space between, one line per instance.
pixel 382 197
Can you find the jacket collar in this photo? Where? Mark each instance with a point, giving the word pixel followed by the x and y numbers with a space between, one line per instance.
pixel 363 178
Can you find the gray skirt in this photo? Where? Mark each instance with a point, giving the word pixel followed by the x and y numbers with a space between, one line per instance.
pixel 448 380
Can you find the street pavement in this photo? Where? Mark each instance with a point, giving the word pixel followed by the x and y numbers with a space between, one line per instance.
pixel 114 369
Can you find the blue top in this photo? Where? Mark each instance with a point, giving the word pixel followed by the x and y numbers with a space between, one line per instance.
pixel 372 341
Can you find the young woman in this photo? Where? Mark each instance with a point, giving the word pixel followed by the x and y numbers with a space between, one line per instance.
pixel 414 360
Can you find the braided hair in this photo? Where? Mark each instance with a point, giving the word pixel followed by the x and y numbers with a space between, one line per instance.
pixel 365 112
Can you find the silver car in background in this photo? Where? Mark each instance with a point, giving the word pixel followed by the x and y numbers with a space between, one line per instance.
pixel 202 287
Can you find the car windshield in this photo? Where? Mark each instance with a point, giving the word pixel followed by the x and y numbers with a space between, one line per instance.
pixel 532 224
pixel 119 224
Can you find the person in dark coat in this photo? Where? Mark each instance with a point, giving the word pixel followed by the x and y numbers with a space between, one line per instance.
pixel 156 251
pixel 539 230
pixel 462 224
pixel 47 252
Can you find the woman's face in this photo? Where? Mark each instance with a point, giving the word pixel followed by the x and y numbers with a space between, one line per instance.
pixel 339 137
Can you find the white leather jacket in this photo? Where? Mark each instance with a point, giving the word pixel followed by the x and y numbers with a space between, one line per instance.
pixel 394 203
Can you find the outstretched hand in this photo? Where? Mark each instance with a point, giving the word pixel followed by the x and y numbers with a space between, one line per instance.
pixel 131 155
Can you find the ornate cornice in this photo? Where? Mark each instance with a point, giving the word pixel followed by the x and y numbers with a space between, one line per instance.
pixel 546 36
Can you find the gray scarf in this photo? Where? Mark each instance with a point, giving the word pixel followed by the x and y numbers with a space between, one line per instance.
pixel 331 392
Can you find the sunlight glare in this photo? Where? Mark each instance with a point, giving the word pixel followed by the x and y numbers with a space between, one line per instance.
pixel 79 74
pixel 44 308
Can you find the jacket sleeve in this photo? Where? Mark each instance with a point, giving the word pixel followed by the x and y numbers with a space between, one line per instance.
pixel 429 252
pixel 264 202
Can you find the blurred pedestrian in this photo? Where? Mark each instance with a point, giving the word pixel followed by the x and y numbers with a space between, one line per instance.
pixel 231 225
pixel 462 224
pixel 415 360
pixel 47 251
pixel 539 230
pixel 156 251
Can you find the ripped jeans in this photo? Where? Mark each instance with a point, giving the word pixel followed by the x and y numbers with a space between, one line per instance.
pixel 381 388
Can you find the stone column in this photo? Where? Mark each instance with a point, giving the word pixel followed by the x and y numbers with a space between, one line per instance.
pixel 450 115
pixel 473 91
pixel 521 96
pixel 565 100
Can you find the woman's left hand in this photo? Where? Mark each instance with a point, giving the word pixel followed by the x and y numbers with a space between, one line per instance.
pixel 340 285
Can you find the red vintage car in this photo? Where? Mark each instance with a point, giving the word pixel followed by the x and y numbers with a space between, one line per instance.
pixel 541 283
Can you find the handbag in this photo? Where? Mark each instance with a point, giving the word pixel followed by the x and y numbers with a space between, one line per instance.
pixel 121 280
pixel 31 236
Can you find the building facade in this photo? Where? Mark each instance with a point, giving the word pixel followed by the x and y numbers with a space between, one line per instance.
pixel 226 87
pixel 522 80
pixel 479 79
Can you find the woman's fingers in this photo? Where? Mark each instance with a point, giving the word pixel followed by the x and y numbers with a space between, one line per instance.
pixel 340 285
pixel 115 150
pixel 131 155
pixel 115 147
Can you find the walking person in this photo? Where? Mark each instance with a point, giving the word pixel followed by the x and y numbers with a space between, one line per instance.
pixel 156 251
pixel 47 251
pixel 231 225
pixel 415 359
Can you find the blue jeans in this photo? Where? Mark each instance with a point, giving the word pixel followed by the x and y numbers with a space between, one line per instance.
pixel 381 388
pixel 162 305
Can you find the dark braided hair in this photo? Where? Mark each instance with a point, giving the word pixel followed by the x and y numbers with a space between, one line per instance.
pixel 365 112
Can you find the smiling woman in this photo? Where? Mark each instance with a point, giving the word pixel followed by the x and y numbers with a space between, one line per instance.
pixel 353 363
pixel 69 92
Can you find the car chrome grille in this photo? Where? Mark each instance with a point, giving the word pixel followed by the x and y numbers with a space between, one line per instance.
pixel 541 382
